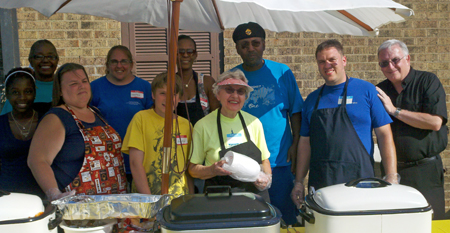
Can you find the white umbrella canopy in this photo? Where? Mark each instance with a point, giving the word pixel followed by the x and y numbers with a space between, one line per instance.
pixel 349 17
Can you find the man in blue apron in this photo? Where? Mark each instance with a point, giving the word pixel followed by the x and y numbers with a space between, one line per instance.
pixel 417 104
pixel 336 144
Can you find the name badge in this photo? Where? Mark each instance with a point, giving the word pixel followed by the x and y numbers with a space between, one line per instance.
pixel 349 100
pixel 203 102
pixel 234 139
pixel 137 94
pixel 182 140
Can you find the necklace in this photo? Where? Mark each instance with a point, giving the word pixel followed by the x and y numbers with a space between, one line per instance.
pixel 187 84
pixel 23 128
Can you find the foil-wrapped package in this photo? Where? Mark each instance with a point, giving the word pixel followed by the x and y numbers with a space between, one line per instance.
pixel 134 205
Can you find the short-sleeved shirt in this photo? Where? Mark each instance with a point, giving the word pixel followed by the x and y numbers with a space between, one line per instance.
pixel 274 99
pixel 422 92
pixel 146 133
pixel 44 92
pixel 206 140
pixel 119 103
pixel 364 108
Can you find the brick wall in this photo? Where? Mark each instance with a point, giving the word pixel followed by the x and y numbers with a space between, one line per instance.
pixel 82 39
pixel 427 35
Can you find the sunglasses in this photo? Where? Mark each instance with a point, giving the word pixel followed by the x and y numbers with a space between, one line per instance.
pixel 394 61
pixel 240 91
pixel 188 51
pixel 42 57
pixel 123 62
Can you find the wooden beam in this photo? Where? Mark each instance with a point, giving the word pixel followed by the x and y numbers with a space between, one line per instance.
pixel 62 5
pixel 357 21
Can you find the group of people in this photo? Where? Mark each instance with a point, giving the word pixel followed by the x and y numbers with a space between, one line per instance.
pixel 106 137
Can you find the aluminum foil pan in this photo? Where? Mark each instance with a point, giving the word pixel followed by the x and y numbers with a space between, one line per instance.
pixel 82 207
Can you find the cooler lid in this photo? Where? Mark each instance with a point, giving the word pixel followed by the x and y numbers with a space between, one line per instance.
pixel 19 205
pixel 368 194
pixel 219 206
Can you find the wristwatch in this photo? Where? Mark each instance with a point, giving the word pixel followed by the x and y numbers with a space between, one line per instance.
pixel 397 111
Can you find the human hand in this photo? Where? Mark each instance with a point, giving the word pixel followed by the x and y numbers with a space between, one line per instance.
pixel 392 178
pixel 387 102
pixel 54 194
pixel 292 157
pixel 263 182
pixel 217 169
pixel 298 194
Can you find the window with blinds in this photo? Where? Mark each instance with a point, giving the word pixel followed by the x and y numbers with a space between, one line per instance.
pixel 149 46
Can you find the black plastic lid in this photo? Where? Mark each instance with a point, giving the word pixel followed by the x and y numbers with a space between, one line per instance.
pixel 219 206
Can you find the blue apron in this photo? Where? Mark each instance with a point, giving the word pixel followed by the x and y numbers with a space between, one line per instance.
pixel 337 153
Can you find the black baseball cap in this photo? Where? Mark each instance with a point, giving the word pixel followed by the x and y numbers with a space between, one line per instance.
pixel 247 30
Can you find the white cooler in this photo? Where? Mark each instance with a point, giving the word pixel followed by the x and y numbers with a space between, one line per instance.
pixel 26 213
pixel 368 205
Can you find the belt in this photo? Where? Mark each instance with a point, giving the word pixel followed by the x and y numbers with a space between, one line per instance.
pixel 415 163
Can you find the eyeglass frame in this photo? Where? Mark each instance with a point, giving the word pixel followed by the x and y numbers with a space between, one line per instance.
pixel 40 57
pixel 228 89
pixel 186 51
pixel 393 61
pixel 123 62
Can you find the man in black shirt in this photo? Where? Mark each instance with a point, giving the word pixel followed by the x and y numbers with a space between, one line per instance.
pixel 416 102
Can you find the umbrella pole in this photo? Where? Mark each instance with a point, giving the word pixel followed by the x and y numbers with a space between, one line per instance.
pixel 167 143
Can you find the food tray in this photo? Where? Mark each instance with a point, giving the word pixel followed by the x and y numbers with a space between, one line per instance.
pixel 82 207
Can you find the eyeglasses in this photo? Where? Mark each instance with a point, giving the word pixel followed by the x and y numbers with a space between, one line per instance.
pixel 42 57
pixel 188 51
pixel 123 62
pixel 240 91
pixel 394 61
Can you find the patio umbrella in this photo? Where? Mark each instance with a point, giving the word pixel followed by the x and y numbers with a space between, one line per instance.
pixel 351 17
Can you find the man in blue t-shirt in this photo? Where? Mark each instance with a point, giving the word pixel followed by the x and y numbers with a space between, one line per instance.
pixel 336 144
pixel 277 102
pixel 119 95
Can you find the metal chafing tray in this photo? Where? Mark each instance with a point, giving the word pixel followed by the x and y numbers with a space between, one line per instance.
pixel 82 207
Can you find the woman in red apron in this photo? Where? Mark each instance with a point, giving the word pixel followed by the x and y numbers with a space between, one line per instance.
pixel 74 150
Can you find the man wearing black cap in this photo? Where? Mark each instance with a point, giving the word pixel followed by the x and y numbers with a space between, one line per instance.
pixel 277 102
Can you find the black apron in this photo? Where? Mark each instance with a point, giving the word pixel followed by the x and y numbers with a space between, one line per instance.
pixel 337 153
pixel 247 148
pixel 195 110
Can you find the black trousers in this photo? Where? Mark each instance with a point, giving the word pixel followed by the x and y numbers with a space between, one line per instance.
pixel 428 178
